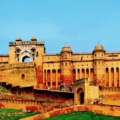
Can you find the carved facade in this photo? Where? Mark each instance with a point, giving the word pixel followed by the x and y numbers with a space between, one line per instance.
pixel 49 70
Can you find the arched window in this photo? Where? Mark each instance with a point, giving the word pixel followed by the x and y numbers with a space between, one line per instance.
pixel 36 54
pixel 23 76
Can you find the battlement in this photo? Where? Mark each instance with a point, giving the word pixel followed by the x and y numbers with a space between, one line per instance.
pixel 17 65
pixel 26 43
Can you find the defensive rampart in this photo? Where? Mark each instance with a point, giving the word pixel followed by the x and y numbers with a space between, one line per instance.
pixel 43 106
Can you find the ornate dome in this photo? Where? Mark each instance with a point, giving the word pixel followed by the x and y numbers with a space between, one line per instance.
pixel 33 38
pixel 98 47
pixel 66 48
pixel 18 39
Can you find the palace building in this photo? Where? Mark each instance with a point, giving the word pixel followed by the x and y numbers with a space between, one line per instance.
pixel 50 70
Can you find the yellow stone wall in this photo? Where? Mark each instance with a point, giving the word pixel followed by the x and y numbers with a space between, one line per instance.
pixel 12 74
pixel 4 59
pixel 93 93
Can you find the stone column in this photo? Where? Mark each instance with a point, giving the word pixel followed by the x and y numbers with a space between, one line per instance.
pixel 119 77
pixel 106 78
pixel 43 76
pixel 80 74
pixel 89 75
pixel 56 79
pixel 115 81
pixel 46 78
pixel 109 69
pixel 76 74
pixel 50 78
pixel 85 72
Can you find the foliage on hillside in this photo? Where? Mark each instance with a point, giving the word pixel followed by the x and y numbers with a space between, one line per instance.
pixel 12 114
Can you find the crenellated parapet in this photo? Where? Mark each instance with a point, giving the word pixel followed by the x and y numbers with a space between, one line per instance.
pixel 26 43
pixel 33 41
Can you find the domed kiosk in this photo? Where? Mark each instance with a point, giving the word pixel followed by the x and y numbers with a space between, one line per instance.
pixel 66 52
pixel 18 39
pixel 66 48
pixel 99 47
pixel 33 38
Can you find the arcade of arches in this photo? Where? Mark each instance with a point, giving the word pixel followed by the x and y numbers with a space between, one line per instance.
pixel 112 77
pixel 52 77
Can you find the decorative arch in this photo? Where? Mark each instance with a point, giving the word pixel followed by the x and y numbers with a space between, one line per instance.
pixel 78 73
pixel 74 72
pixel 87 73
pixel 53 76
pixel 48 77
pixel 80 94
pixel 92 74
pixel 107 76
pixel 24 58
pixel 25 51
pixel 112 76
pixel 83 73
pixel 117 76
pixel 26 54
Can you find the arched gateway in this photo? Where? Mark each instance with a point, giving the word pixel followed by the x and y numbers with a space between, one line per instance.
pixel 84 93
pixel 80 95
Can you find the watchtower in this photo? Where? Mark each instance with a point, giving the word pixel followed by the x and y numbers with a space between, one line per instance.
pixel 99 64
pixel 66 64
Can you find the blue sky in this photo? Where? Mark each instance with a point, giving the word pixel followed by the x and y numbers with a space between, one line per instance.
pixel 80 23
